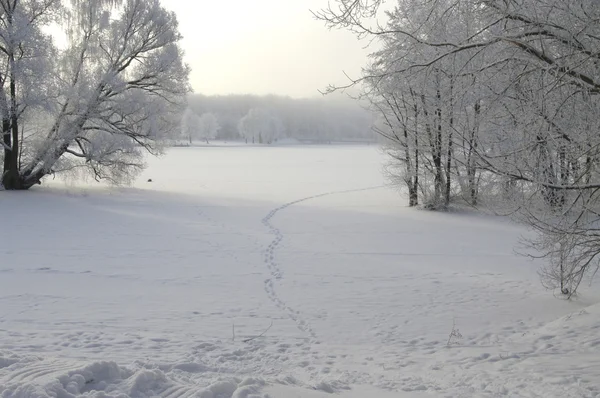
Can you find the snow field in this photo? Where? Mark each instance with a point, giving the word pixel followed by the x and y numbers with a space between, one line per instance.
pixel 281 272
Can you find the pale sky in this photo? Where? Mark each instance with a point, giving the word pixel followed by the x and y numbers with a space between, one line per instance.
pixel 264 47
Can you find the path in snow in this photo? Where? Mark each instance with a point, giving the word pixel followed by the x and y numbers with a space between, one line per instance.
pixel 273 266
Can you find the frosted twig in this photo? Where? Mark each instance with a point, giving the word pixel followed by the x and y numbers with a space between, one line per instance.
pixel 260 335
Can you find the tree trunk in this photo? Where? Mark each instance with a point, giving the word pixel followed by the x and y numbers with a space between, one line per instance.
pixel 416 179
pixel 437 154
pixel 449 152
pixel 413 194
pixel 410 172
pixel 10 176
pixel 564 174
pixel 7 148
pixel 471 166
pixel 11 179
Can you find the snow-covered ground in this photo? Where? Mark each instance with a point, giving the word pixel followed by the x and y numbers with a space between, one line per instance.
pixel 279 272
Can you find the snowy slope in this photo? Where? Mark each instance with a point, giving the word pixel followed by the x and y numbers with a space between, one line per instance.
pixel 281 272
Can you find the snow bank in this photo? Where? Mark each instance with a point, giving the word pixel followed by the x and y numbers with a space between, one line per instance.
pixel 40 379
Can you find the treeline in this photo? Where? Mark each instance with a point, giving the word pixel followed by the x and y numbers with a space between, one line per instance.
pixel 270 118
pixel 495 103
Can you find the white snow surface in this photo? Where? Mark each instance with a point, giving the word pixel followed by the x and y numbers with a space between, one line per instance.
pixel 276 272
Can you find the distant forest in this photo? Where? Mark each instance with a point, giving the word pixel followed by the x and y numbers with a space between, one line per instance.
pixel 267 119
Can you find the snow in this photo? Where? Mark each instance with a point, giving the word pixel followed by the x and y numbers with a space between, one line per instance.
pixel 276 272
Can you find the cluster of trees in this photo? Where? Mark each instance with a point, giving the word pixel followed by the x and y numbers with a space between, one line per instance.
pixel 261 126
pixel 265 119
pixel 108 83
pixel 495 102
pixel 194 127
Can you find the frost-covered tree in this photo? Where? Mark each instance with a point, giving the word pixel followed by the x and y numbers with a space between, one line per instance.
pixel 94 103
pixel 209 126
pixel 190 125
pixel 428 113
pixel 247 128
pixel 260 126
pixel 315 119
pixel 509 90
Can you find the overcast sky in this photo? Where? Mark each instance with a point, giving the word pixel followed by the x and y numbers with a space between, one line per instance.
pixel 263 47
